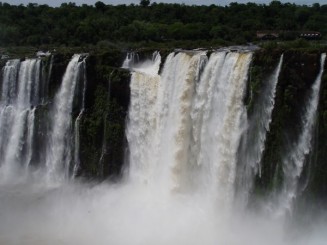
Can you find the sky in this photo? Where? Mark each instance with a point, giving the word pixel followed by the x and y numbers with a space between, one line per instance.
pixel 188 2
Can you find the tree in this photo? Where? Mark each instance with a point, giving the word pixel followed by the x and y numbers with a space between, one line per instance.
pixel 100 6
pixel 302 15
pixel 71 24
pixel 145 3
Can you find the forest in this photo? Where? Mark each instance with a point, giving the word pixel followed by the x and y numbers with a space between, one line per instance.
pixel 151 22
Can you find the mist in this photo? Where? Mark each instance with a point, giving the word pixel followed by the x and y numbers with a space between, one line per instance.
pixel 134 213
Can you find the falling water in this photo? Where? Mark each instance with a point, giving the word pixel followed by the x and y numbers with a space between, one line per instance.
pixel 141 112
pixel 9 84
pixel 254 138
pixel 77 122
pixel 294 161
pixel 30 137
pixel 186 128
pixel 59 147
pixel 222 117
pixel 20 96
pixel 8 94
pixel 130 61
pixel 165 108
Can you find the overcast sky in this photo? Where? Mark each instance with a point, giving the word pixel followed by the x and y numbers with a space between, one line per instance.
pixel 188 2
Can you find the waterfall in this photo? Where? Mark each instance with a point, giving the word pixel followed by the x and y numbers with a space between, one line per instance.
pixel 77 143
pixel 77 122
pixel 60 145
pixel 23 90
pixel 220 114
pixel 194 105
pixel 20 96
pixel 30 137
pixel 158 119
pixel 254 138
pixel 294 160
pixel 130 60
pixel 148 66
pixel 9 83
pixel 141 119
pixel 8 94
pixel 262 113
pixel 195 149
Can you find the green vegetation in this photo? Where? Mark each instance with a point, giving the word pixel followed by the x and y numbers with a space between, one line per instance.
pixel 150 24
pixel 102 127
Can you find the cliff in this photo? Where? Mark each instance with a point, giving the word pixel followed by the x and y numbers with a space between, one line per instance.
pixel 103 145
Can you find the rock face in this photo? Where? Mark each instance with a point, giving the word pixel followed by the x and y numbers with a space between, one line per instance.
pixel 102 127
pixel 103 124
pixel 297 75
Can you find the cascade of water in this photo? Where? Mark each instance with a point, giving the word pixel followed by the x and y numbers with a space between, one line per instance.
pixel 149 66
pixel 20 96
pixel 77 123
pixel 144 83
pixel 294 161
pixel 8 93
pixel 223 121
pixel 194 110
pixel 30 137
pixel 174 125
pixel 141 123
pixel 59 148
pixel 253 141
pixel 185 129
pixel 77 143
pixel 201 112
pixel 130 60
pixel 9 83
pixel 173 122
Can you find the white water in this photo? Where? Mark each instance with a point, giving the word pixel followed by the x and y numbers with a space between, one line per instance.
pixel 130 61
pixel 254 138
pixel 141 118
pixel 77 143
pixel 126 214
pixel 159 105
pixel 23 91
pixel 59 149
pixel 77 122
pixel 184 111
pixel 294 161
pixel 19 97
pixel 223 123
pixel 8 95
pixel 30 137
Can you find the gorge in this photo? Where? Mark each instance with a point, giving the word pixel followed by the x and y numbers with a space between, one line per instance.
pixel 219 146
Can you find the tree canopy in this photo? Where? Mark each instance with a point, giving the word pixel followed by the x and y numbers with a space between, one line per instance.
pixel 75 25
